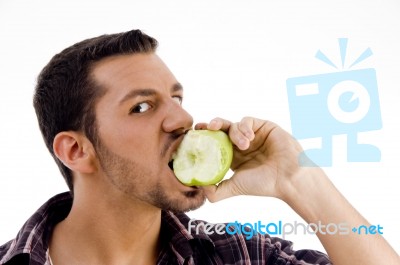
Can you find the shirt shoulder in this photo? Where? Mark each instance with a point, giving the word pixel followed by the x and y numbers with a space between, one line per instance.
pixel 31 243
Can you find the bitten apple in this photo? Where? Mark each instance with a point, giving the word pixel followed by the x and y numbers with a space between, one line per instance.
pixel 203 157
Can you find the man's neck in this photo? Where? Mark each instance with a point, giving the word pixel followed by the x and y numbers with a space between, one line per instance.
pixel 107 232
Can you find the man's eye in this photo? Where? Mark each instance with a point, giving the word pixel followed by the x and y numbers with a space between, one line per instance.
pixel 178 99
pixel 140 108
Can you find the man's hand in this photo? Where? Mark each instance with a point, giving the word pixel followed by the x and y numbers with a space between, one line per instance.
pixel 265 159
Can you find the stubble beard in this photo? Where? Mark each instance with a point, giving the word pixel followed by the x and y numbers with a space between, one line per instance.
pixel 130 177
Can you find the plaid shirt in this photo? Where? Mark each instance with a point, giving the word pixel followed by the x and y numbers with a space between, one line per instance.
pixel 180 247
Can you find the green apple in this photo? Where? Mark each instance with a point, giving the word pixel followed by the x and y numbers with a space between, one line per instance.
pixel 203 157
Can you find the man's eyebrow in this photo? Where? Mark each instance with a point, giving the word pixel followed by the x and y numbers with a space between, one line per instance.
pixel 177 87
pixel 145 92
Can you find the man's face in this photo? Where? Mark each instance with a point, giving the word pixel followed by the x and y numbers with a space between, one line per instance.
pixel 140 124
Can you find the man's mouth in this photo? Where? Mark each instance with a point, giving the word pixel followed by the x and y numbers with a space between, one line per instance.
pixel 174 147
pixel 171 164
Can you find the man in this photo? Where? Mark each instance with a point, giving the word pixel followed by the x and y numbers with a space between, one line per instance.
pixel 110 113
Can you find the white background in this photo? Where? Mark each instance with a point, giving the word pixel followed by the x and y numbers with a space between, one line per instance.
pixel 233 58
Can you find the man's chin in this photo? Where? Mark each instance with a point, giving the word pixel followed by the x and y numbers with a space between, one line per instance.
pixel 195 199
pixel 183 201
pixel 191 200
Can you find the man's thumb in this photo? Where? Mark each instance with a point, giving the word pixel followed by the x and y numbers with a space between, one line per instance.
pixel 216 193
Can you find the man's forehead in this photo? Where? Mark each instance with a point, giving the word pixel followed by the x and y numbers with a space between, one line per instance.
pixel 129 62
pixel 133 71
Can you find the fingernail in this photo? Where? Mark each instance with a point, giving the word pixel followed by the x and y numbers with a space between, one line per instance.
pixel 213 124
pixel 243 143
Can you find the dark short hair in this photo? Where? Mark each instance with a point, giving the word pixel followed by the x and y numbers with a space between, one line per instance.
pixel 66 92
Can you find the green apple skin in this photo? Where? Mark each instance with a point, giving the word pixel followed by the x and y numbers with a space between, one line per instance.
pixel 203 158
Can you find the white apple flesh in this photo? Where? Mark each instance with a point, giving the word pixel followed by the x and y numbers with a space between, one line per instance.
pixel 203 157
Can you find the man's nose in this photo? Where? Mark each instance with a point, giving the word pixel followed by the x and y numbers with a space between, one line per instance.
pixel 177 118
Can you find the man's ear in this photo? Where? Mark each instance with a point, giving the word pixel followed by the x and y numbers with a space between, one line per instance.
pixel 75 151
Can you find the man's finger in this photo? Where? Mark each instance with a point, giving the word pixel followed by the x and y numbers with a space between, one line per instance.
pixel 201 126
pixel 246 127
pixel 219 124
pixel 216 193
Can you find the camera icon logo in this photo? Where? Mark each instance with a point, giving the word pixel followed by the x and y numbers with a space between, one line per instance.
pixel 344 102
